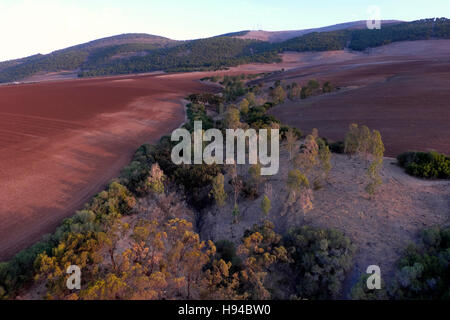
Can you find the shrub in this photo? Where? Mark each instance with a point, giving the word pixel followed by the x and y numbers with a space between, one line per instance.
pixel 249 190
pixel 425 164
pixel 321 260
pixel 337 147
pixel 361 292
pixel 226 250
pixel 424 270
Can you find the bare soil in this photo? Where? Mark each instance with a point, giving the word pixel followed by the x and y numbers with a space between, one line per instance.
pixel 381 227
pixel 62 141
pixel 400 90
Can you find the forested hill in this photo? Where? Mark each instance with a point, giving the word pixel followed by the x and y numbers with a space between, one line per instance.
pixel 361 39
pixel 204 54
pixel 74 58
pixel 135 53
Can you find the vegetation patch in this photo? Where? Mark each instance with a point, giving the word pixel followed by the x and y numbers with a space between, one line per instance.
pixel 430 165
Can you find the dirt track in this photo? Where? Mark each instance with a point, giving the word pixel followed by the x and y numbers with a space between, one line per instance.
pixel 402 90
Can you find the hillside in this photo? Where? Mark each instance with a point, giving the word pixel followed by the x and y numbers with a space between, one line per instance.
pixel 280 36
pixel 361 39
pixel 139 53
pixel 74 58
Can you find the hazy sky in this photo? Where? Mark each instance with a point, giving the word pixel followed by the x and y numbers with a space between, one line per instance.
pixel 40 26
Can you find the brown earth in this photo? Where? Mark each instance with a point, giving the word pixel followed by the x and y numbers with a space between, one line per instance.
pixel 381 227
pixel 62 141
pixel 402 90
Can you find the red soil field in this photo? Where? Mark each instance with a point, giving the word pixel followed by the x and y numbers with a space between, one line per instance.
pixel 61 142
pixel 402 90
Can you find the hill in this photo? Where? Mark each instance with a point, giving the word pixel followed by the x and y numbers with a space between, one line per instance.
pixel 361 39
pixel 138 53
pixel 74 58
pixel 280 36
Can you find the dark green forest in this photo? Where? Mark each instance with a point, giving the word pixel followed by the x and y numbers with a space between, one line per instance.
pixel 361 39
pixel 204 54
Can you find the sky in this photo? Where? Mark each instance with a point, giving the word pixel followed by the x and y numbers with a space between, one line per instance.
pixel 40 26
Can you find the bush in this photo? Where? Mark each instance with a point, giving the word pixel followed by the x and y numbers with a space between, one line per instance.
pixel 226 250
pixel 361 292
pixel 424 270
pixel 337 147
pixel 321 260
pixel 285 128
pixel 425 164
pixel 249 191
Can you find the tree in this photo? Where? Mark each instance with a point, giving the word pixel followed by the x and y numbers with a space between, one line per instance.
pixel 218 191
pixel 360 141
pixel 298 187
pixel 306 160
pixel 313 84
pixel 295 91
pixel 244 106
pixel 296 181
pixel 114 231
pixel 376 149
pixel 261 249
pixel 291 141
pixel 237 184
pixel 278 95
pixel 164 262
pixel 324 159
pixel 255 175
pixel 155 180
pixel 265 205
pixel 251 98
pixel 220 284
pixel 232 118
pixel 364 138
pixel 352 139
pixel 327 87
pixel 321 259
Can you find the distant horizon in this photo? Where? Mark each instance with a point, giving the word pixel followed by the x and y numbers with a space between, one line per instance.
pixel 31 27
pixel 192 39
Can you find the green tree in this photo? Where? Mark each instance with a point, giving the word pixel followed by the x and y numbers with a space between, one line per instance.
pixel 352 139
pixel 244 106
pixel 278 95
pixel 295 91
pixel 325 160
pixel 155 180
pixel 327 87
pixel 251 98
pixel 291 141
pixel 255 175
pixel 266 205
pixel 261 249
pixel 376 149
pixel 218 190
pixel 232 118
